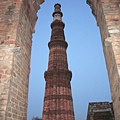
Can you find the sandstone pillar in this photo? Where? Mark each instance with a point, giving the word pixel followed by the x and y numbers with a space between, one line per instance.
pixel 58 102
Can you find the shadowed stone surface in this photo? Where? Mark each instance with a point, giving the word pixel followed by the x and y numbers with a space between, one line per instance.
pixel 17 21
pixel 107 14
pixel 100 111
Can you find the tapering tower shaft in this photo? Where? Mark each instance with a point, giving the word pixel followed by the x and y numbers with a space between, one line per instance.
pixel 58 103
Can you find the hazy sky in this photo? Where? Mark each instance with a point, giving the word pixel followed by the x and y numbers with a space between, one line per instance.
pixel 85 57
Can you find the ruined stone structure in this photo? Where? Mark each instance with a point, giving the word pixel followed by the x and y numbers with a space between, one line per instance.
pixel 107 14
pixel 58 103
pixel 100 111
pixel 17 21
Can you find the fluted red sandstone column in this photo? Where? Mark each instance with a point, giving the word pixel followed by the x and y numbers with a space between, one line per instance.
pixel 58 103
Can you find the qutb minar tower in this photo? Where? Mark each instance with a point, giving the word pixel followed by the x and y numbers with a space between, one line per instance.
pixel 58 103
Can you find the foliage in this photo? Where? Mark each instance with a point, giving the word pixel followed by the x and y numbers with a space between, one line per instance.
pixel 36 118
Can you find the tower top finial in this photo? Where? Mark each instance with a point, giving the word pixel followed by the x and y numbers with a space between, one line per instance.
pixel 57 4
pixel 57 14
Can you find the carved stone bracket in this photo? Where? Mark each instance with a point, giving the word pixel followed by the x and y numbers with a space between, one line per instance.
pixel 57 43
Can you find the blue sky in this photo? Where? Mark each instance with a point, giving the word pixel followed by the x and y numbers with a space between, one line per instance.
pixel 85 57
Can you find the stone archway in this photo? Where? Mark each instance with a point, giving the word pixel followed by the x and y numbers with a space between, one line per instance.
pixel 107 14
pixel 16 21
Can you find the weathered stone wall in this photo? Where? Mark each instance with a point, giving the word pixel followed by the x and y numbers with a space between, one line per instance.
pixel 107 14
pixel 100 111
pixel 17 21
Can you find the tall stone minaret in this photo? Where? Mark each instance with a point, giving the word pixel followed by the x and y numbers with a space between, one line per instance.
pixel 58 103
